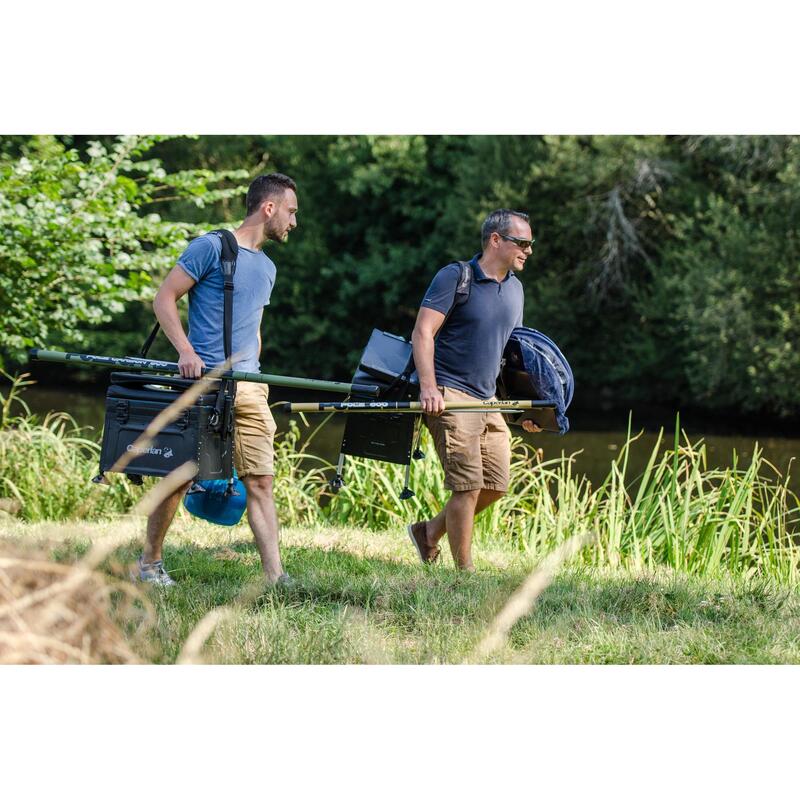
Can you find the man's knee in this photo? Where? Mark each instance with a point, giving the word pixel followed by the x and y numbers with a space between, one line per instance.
pixel 469 496
pixel 490 496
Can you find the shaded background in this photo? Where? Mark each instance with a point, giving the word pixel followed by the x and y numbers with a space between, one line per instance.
pixel 665 267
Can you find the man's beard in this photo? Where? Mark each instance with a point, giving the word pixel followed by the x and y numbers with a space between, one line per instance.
pixel 274 233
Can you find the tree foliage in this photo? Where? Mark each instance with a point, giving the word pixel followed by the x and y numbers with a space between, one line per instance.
pixel 667 268
pixel 75 248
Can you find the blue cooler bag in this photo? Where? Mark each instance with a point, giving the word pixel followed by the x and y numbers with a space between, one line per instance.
pixel 209 500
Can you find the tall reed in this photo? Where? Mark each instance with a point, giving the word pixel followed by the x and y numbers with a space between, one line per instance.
pixel 46 465
pixel 742 519
pixel 679 512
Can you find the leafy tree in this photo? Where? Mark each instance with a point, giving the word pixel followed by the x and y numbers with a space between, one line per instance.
pixel 75 249
pixel 666 267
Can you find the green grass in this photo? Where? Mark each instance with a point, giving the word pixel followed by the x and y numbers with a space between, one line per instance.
pixel 46 465
pixel 363 598
pixel 688 564
pixel 678 512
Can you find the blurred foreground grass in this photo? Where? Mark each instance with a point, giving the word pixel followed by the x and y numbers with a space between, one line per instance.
pixel 362 597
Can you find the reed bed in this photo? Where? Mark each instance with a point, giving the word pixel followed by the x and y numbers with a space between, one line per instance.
pixel 678 512
pixel 46 465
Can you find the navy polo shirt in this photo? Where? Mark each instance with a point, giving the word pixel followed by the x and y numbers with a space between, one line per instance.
pixel 470 344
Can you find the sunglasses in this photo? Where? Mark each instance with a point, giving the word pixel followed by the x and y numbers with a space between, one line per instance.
pixel 522 243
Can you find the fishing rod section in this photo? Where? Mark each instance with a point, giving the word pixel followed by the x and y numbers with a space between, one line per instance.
pixel 171 367
pixel 415 407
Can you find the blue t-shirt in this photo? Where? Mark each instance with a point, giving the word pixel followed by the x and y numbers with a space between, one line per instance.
pixel 252 287
pixel 470 344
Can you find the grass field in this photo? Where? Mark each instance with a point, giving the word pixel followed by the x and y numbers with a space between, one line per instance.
pixel 686 564
pixel 362 597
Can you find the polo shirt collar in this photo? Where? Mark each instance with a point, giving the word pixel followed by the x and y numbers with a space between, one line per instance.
pixel 480 275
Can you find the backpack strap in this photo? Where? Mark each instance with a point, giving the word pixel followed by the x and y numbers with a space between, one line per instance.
pixel 459 298
pixel 150 340
pixel 462 290
pixel 230 252
pixel 223 412
pixel 463 287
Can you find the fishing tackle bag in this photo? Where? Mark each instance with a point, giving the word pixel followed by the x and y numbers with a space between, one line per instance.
pixel 133 401
pixel 388 362
pixel 202 432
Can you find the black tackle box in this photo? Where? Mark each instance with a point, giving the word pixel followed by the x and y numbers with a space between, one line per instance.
pixel 134 400
pixel 387 363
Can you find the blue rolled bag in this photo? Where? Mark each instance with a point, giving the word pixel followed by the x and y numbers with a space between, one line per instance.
pixel 534 367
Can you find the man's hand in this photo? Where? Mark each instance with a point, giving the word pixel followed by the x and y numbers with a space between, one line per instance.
pixel 190 364
pixel 432 400
pixel 530 426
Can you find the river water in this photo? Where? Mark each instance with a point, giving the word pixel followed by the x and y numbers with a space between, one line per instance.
pixel 595 449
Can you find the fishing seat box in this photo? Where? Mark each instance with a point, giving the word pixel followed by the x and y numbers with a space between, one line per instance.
pixel 386 362
pixel 134 400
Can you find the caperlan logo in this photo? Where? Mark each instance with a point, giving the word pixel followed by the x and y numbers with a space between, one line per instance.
pixel 150 451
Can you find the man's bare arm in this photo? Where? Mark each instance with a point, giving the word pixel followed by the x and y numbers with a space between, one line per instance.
pixel 165 304
pixel 422 339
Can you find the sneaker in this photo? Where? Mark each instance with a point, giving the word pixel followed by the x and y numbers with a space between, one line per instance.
pixel 285 581
pixel 153 573
pixel 417 532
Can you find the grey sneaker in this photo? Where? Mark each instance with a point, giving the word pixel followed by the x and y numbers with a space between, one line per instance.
pixel 153 573
pixel 285 581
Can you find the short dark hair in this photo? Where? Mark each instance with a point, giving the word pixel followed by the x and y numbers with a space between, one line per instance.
pixel 499 222
pixel 265 186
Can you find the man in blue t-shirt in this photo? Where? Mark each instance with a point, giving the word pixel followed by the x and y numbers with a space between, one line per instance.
pixel 271 214
pixel 462 362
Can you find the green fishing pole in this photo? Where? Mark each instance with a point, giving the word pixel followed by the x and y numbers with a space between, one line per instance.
pixel 152 365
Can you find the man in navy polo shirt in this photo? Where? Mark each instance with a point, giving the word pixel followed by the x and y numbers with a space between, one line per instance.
pixel 458 358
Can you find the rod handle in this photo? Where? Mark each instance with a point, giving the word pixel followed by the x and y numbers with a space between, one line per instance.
pixel 366 388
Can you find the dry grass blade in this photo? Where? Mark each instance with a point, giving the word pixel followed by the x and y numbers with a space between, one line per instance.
pixel 54 613
pixel 125 530
pixel 522 601
pixel 190 652
pixel 164 488
pixel 59 613
pixel 366 641
pixel 170 414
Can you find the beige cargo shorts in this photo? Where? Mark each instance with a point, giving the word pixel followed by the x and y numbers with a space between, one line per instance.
pixel 474 448
pixel 254 431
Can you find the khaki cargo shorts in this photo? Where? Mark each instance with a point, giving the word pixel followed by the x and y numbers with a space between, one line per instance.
pixel 474 448
pixel 254 431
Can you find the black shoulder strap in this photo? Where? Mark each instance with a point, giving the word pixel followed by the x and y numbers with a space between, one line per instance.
pixel 227 388
pixel 464 284
pixel 230 252
pixel 462 289
pixel 459 298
